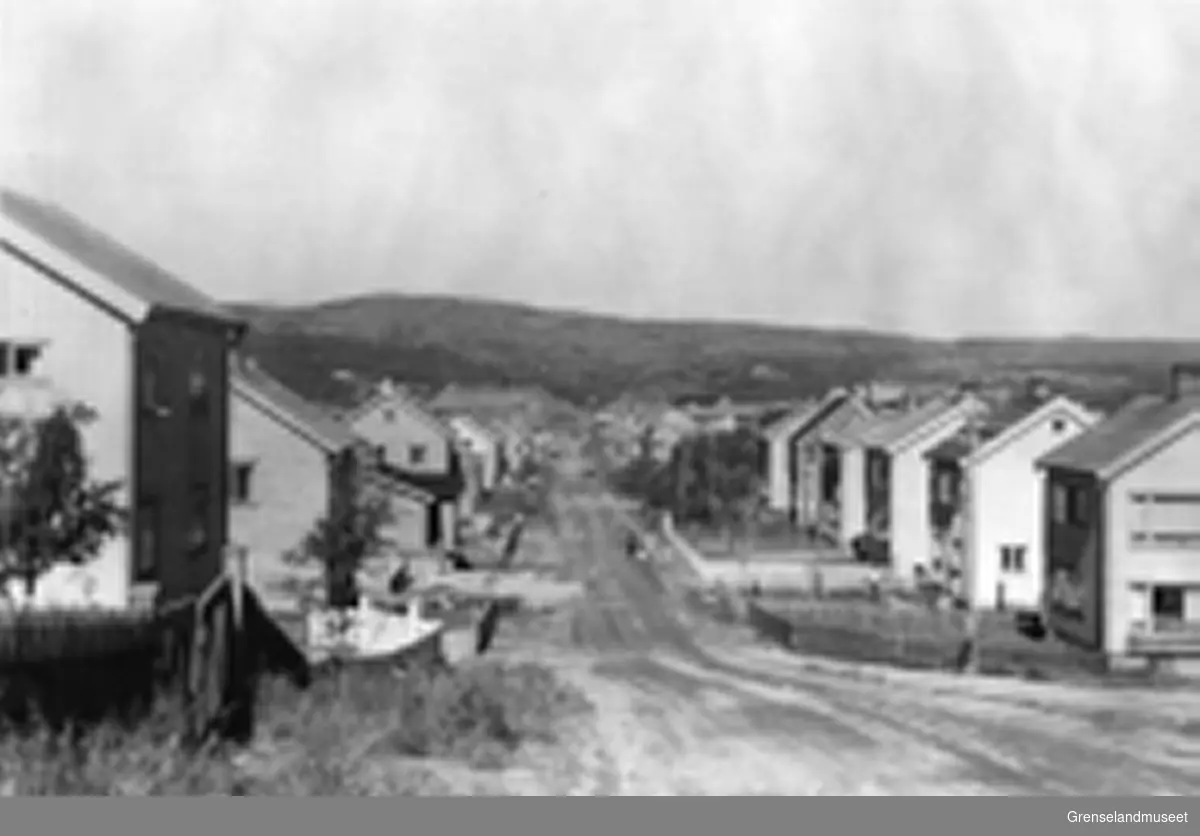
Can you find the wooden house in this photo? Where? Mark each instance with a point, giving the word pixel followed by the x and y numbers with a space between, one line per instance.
pixel 418 448
pixel 1122 532
pixel 150 354
pixel 986 504
pixel 897 474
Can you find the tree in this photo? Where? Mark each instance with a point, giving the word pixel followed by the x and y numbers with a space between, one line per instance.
pixel 342 541
pixel 53 511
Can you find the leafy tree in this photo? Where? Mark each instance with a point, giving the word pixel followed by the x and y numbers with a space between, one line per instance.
pixel 342 541
pixel 53 511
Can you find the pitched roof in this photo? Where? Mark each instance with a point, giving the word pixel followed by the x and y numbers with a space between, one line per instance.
pixel 300 415
pixel 853 409
pixel 1107 448
pixel 404 400
pixel 116 263
pixel 397 484
pixel 808 416
pixel 854 430
pixel 889 433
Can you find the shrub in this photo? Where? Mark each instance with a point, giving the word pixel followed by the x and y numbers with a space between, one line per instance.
pixel 320 742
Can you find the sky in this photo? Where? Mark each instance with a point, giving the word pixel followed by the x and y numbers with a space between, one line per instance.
pixel 943 167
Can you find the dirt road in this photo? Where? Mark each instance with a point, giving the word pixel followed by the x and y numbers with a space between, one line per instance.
pixel 689 707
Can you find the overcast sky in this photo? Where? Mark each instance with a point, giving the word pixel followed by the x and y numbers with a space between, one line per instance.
pixel 938 166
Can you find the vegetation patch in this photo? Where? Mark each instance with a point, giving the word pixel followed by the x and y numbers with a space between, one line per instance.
pixel 350 734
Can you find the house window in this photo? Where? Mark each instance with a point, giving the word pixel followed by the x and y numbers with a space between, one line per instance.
pixel 1167 606
pixel 417 453
pixel 240 481
pixel 1058 425
pixel 1058 499
pixel 945 488
pixel 152 389
pixel 18 359
pixel 198 539
pixel 198 392
pixel 148 522
pixel 1012 559
pixel 1079 509
pixel 1164 520
pixel 389 416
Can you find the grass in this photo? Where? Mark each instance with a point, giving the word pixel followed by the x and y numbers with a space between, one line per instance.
pixel 357 731
pixel 917 638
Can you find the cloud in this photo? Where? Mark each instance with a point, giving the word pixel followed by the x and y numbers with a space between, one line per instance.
pixel 943 165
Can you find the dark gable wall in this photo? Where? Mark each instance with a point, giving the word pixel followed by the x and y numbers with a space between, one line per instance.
pixel 181 454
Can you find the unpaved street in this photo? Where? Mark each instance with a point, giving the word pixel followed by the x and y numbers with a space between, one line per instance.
pixel 686 706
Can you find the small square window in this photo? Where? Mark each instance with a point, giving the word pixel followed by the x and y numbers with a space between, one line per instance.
pixel 389 415
pixel 417 453
pixel 1058 425
pixel 241 483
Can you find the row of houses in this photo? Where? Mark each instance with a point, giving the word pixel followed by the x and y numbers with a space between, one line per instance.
pixel 1039 503
pixel 209 448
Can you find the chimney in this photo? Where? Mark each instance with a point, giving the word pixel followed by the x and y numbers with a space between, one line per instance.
pixel 1184 380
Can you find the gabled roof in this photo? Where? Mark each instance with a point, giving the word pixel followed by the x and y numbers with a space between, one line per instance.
pixel 306 419
pixel 1140 428
pixel 849 412
pixel 135 286
pixel 1015 421
pixel 896 434
pixel 800 421
pixel 472 425
pixel 394 483
pixel 443 486
pixel 403 401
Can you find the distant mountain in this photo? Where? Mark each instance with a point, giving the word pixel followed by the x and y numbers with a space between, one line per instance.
pixel 428 341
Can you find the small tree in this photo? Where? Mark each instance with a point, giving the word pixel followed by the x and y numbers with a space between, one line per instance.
pixel 343 541
pixel 53 511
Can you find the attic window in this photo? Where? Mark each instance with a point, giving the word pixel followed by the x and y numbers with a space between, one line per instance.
pixel 389 415
pixel 1058 425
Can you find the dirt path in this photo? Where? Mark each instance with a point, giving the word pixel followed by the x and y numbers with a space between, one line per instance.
pixel 685 707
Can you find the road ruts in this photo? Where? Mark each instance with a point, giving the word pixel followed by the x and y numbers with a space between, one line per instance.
pixel 863 736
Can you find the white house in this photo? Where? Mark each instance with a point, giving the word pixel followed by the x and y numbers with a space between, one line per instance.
pixel 478 441
pixel 898 474
pixel 416 445
pixel 986 479
pixel 1122 531
pixel 83 316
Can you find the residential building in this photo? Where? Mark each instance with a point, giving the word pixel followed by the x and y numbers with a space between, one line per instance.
pixel 478 441
pixel 834 485
pixel 417 447
pixel 101 325
pixel 845 450
pixel 291 465
pixel 793 467
pixel 1122 536
pixel 986 504
pixel 897 474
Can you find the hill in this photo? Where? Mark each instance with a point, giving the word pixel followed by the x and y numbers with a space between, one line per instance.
pixel 434 340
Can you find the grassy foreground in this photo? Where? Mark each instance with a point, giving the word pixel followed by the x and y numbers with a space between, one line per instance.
pixel 358 731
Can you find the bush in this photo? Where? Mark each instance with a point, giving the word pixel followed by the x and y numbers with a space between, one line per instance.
pixel 320 742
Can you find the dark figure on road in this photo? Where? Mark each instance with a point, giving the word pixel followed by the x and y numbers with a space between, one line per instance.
pixel 632 545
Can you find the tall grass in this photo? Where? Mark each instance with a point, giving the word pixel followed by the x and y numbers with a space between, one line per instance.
pixel 329 740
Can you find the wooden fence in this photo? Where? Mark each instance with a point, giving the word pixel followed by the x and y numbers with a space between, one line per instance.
pixel 207 652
